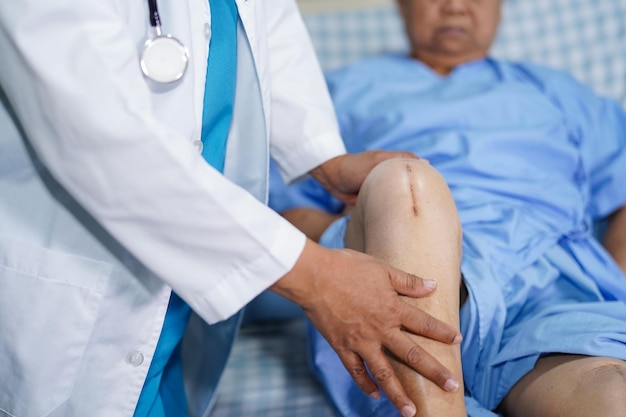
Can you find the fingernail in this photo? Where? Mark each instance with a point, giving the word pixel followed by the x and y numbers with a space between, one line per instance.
pixel 374 395
pixel 430 284
pixel 457 340
pixel 408 411
pixel 451 385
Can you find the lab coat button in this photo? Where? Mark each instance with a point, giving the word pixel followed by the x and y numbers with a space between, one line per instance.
pixel 134 358
pixel 207 30
pixel 198 144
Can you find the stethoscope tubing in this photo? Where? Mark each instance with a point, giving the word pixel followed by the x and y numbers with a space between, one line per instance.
pixel 155 18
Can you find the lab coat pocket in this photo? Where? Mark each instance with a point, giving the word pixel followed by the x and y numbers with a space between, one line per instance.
pixel 49 302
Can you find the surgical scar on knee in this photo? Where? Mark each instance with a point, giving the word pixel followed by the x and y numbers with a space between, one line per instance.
pixel 409 172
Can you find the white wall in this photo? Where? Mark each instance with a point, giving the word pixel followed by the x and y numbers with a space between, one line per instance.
pixel 315 6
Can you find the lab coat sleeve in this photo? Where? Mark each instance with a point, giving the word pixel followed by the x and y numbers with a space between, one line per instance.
pixel 304 131
pixel 70 73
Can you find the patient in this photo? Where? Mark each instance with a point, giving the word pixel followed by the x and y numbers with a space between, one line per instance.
pixel 532 160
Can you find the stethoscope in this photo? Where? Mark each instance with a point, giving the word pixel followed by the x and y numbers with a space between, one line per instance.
pixel 164 58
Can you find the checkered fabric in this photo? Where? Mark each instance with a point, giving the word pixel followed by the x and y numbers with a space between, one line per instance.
pixel 585 37
pixel 348 35
pixel 267 375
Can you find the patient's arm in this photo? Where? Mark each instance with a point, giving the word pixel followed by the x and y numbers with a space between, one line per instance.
pixel 405 214
pixel 615 237
pixel 312 222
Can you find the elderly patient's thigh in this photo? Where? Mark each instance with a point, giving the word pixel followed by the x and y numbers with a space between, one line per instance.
pixel 570 386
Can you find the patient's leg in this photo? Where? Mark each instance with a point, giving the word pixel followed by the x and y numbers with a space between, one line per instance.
pixel 571 386
pixel 405 215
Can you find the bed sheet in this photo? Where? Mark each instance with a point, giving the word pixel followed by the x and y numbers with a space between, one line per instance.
pixel 267 375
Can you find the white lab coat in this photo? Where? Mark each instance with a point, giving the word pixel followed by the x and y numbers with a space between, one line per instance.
pixel 106 204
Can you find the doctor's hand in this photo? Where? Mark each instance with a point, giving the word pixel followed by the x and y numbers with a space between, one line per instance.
pixel 354 300
pixel 343 175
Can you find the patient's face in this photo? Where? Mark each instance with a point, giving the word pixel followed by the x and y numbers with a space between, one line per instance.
pixel 445 33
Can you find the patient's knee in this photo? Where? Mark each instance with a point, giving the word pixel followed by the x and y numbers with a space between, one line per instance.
pixel 402 200
pixel 601 388
pixel 573 386
pixel 405 183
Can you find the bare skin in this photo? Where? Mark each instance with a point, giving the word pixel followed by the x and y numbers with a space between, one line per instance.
pixel 363 322
pixel 405 215
pixel 446 33
pixel 571 386
pixel 311 222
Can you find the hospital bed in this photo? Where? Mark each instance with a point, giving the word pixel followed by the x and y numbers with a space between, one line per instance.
pixel 267 374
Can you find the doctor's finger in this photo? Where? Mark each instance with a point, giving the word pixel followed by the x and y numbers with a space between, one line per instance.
pixel 418 322
pixel 386 378
pixel 358 371
pixel 405 350
pixel 411 285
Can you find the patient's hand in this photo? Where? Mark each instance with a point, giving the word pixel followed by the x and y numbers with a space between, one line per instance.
pixel 312 222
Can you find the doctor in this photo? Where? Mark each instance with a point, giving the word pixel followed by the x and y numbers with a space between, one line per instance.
pixel 114 228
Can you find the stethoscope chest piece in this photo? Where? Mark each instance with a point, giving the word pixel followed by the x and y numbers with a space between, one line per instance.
pixel 164 58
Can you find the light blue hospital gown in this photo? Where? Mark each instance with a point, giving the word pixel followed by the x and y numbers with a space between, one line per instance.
pixel 533 159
